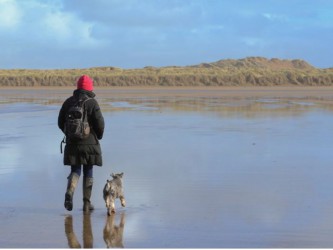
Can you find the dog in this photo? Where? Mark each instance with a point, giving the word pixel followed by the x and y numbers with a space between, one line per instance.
pixel 113 190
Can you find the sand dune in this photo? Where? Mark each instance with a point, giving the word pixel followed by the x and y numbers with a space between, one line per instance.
pixel 251 71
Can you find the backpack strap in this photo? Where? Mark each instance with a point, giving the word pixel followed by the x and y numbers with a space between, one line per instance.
pixel 81 101
pixel 63 141
pixel 84 108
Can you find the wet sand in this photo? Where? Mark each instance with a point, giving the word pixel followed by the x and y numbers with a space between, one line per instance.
pixel 204 168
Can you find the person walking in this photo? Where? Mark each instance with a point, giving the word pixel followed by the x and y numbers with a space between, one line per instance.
pixel 82 153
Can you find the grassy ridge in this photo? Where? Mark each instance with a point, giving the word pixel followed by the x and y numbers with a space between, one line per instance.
pixel 251 71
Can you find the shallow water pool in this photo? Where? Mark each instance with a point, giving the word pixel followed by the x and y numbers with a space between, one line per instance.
pixel 199 172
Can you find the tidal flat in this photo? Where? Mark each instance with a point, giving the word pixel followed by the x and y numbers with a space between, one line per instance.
pixel 203 168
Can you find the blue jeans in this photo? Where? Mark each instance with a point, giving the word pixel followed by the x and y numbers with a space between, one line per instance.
pixel 87 170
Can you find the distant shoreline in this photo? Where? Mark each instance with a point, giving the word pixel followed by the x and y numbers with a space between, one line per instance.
pixel 324 93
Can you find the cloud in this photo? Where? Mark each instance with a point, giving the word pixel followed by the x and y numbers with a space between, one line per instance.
pixel 10 14
pixel 68 31
pixel 136 13
pixel 274 17
pixel 136 33
pixel 44 23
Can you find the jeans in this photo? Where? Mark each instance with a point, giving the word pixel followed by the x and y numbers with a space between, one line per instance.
pixel 87 170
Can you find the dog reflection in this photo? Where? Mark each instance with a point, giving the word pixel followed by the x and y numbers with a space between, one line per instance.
pixel 113 234
pixel 87 232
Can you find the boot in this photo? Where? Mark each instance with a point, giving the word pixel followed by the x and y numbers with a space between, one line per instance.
pixel 73 179
pixel 87 188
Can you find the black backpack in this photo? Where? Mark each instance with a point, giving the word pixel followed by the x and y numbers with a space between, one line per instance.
pixel 76 122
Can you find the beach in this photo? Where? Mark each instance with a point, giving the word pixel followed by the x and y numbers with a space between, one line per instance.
pixel 228 167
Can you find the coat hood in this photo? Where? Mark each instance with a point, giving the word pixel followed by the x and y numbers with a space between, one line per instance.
pixel 79 92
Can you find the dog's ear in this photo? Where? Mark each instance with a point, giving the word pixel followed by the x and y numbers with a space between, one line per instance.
pixel 113 175
pixel 121 174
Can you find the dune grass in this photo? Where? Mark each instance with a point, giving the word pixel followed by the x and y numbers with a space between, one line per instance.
pixel 254 71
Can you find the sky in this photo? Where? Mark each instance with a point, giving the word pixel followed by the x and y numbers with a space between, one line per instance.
pixel 58 34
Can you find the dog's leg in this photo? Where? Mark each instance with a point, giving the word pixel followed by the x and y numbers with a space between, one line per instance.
pixel 108 205
pixel 113 209
pixel 107 201
pixel 109 211
pixel 122 200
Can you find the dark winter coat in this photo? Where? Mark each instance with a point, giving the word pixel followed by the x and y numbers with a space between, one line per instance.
pixel 84 151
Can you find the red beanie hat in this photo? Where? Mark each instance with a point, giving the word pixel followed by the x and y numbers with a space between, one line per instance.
pixel 86 83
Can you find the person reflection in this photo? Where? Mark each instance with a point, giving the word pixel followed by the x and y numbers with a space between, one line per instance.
pixel 71 237
pixel 87 232
pixel 113 234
